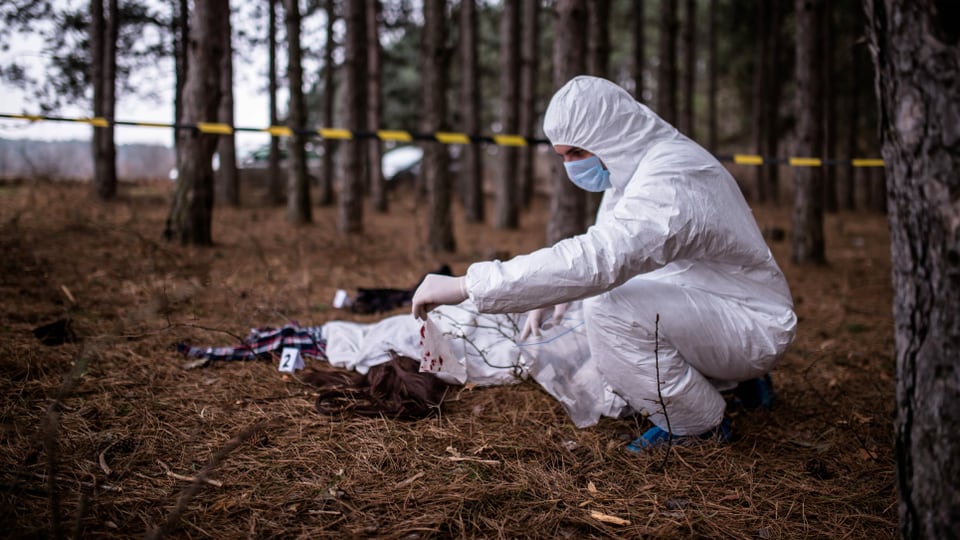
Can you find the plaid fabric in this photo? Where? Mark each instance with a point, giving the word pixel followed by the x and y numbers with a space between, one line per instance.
pixel 265 342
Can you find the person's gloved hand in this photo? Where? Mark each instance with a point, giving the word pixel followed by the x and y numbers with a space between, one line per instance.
pixel 535 317
pixel 437 290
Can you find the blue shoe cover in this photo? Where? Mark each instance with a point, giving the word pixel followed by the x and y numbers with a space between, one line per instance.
pixel 655 437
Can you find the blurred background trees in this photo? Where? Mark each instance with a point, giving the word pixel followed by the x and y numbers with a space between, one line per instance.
pixel 723 70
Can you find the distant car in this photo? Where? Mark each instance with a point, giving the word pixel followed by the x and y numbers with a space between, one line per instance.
pixel 402 163
pixel 255 163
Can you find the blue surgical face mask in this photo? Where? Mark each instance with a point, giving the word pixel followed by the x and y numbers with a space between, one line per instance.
pixel 588 174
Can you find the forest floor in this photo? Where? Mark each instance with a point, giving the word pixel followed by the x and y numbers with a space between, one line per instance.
pixel 108 436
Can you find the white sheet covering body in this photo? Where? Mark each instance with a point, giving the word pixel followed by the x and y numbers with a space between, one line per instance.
pixel 674 239
pixel 486 345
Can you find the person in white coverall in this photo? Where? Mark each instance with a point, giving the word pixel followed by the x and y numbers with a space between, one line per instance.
pixel 673 238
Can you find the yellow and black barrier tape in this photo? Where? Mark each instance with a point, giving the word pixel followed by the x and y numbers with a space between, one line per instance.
pixel 445 137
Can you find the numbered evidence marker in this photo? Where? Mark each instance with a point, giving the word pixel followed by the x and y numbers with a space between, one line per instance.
pixel 290 360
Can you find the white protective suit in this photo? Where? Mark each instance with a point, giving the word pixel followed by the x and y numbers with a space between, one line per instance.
pixel 674 239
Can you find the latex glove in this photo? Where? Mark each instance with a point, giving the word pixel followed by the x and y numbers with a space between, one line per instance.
pixel 438 290
pixel 535 318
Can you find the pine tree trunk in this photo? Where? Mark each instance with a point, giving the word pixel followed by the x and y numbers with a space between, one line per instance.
pixel 181 37
pixel 507 209
pixel 275 192
pixel 350 201
pixel 529 76
pixel 690 67
pixel 435 158
pixel 807 243
pixel 760 95
pixel 712 141
pixel 567 201
pixel 847 182
pixel 378 195
pixel 471 182
pixel 829 122
pixel 103 43
pixel 774 91
pixel 227 144
pixel 667 70
pixel 298 183
pixel 328 170
pixel 916 50
pixel 191 212
pixel 598 60
pixel 639 48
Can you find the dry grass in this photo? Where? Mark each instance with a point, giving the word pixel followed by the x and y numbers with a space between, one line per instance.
pixel 108 437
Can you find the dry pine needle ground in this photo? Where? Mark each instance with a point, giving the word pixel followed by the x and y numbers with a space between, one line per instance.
pixel 107 436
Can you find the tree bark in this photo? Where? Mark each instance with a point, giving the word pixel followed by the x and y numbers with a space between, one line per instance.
pixel 275 191
pixel 598 61
pixel 191 212
pixel 761 84
pixel 529 76
pixel 350 200
pixel 328 170
pixel 916 52
pixel 473 198
pixel 829 122
pixel 639 49
pixel 712 142
pixel 378 196
pixel 567 201
pixel 667 71
pixel 103 44
pixel 807 242
pixel 181 37
pixel 847 182
pixel 690 67
pixel 298 183
pixel 507 209
pixel 434 167
pixel 227 144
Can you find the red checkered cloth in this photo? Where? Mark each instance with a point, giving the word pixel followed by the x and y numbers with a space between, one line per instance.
pixel 265 343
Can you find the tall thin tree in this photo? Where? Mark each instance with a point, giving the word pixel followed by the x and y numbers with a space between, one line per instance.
pixel 104 29
pixel 598 62
pixel 298 183
pixel 181 38
pixel 328 169
pixel 760 120
pixel 829 122
pixel 667 69
pixel 191 212
pixel 639 48
pixel 350 201
pixel 474 202
pixel 227 144
pixel 378 195
pixel 916 52
pixel 807 244
pixel 712 134
pixel 435 160
pixel 507 209
pixel 275 184
pixel 689 68
pixel 529 76
pixel 567 201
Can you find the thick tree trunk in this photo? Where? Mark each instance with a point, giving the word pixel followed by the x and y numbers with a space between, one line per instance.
pixel 916 48
pixel 435 157
pixel 778 74
pixel 846 183
pixel 639 49
pixel 328 169
pixel 667 70
pixel 529 75
pixel 807 244
pixel 350 201
pixel 378 195
pixel 689 68
pixel 227 144
pixel 275 192
pixel 191 212
pixel 471 182
pixel 567 201
pixel 298 182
